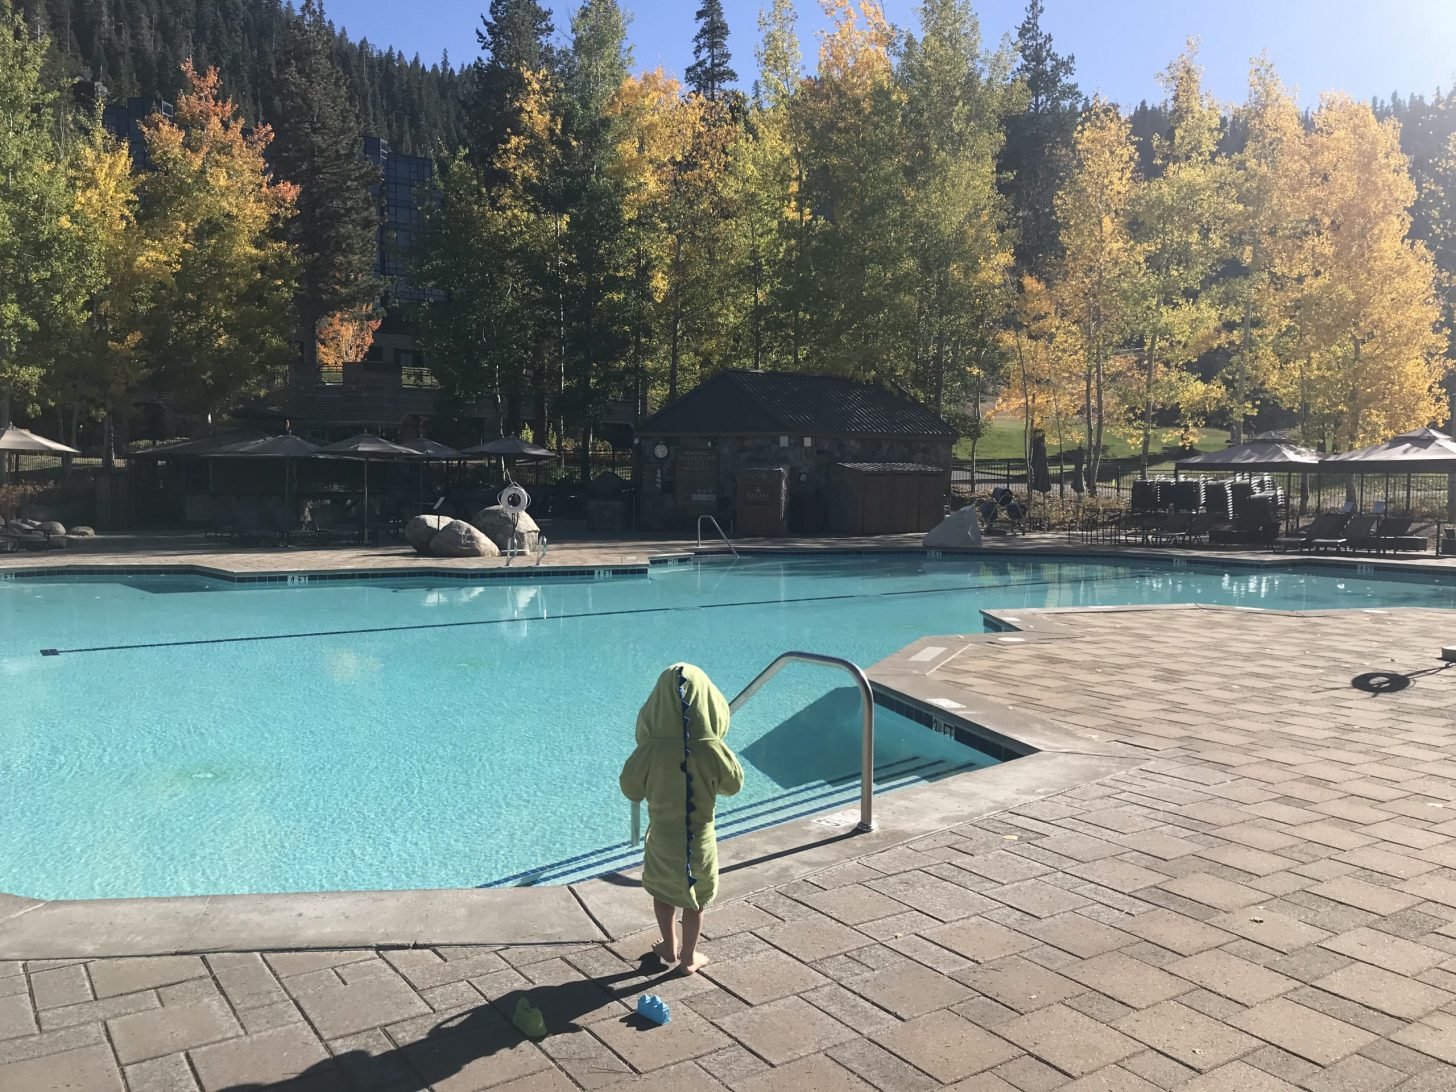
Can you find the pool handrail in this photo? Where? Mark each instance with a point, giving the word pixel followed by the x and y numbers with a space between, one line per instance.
pixel 867 730
pixel 726 540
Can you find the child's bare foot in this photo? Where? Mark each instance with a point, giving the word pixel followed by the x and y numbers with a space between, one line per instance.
pixel 692 964
pixel 666 951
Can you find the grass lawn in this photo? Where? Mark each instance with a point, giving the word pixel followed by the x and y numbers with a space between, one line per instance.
pixel 1003 440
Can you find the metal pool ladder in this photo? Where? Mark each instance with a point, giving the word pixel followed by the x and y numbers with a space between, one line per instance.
pixel 726 541
pixel 867 729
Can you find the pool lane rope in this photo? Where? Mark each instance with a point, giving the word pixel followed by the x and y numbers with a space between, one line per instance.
pixel 687 715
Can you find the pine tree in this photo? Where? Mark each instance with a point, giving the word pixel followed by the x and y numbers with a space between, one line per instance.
pixel 712 70
pixel 516 38
pixel 1037 153
pixel 319 149
pixel 1262 229
pixel 1180 221
pixel 953 107
pixel 597 260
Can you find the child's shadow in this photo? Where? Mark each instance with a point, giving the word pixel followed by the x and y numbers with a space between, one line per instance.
pixel 467 1037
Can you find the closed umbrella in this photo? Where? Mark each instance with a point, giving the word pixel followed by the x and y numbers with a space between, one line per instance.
pixel 1041 473
pixel 366 446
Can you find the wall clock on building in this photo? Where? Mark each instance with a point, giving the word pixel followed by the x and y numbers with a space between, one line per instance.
pixel 659 450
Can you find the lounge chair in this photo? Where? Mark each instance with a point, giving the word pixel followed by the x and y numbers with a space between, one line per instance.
pixel 1360 533
pixel 224 522
pixel 1326 528
pixel 1172 527
pixel 249 525
pixel 1199 529
pixel 1394 535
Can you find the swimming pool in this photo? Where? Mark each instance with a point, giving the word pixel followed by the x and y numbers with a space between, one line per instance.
pixel 168 735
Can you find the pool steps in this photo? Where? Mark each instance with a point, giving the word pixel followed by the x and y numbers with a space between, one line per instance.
pixel 803 801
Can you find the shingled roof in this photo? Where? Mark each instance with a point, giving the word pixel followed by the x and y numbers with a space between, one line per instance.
pixel 742 403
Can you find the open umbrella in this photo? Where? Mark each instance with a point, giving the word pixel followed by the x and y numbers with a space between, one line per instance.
pixel 1421 451
pixel 431 451
pixel 511 447
pixel 287 446
pixel 1254 456
pixel 366 446
pixel 19 441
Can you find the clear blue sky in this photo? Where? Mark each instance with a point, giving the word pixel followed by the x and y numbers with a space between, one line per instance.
pixel 1363 47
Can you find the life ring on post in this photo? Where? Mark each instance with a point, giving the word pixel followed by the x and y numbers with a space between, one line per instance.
pixel 514 499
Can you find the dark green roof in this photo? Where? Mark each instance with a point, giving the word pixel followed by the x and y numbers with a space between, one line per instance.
pixel 741 403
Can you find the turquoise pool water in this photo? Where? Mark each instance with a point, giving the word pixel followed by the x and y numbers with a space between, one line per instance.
pixel 192 737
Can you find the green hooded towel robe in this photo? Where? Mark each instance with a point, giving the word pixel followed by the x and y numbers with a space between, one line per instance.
pixel 680 767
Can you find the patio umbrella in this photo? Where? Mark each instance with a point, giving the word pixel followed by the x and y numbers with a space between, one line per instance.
pixel 1420 451
pixel 1041 473
pixel 366 446
pixel 287 446
pixel 1260 455
pixel 511 447
pixel 431 451
pixel 203 445
pixel 18 441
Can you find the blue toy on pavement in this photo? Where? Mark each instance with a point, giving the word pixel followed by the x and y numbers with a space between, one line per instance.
pixel 654 1008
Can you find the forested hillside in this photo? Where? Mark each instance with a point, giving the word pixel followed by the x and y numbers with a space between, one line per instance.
pixel 136 47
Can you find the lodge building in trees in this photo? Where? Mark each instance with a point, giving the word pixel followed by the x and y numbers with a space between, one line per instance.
pixel 779 452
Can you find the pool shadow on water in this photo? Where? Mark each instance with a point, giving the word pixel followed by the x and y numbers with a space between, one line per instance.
pixel 468 1038
pixel 818 743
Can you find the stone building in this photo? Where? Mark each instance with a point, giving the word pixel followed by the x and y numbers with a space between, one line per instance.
pixel 692 454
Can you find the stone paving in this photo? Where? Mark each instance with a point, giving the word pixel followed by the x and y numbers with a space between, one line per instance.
pixel 1267 904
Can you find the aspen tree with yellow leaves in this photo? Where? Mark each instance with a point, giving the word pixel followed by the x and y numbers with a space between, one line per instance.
pixel 1262 232
pixel 221 327
pixel 1101 264
pixel 1367 359
pixel 1179 224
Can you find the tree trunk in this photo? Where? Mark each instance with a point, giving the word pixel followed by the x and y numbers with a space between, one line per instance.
pixel 1087 411
pixel 108 439
pixel 1025 399
pixel 1241 375
pixel 1148 368
pixel 586 442
pixel 1094 457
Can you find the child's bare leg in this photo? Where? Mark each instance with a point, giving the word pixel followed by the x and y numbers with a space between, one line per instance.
pixel 692 959
pixel 666 949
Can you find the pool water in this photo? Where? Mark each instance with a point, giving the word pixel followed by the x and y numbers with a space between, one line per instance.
pixel 169 735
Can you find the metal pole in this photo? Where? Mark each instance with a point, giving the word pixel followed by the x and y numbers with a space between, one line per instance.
pixel 867 728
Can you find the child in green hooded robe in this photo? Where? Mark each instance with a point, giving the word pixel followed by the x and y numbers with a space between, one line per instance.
pixel 680 767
